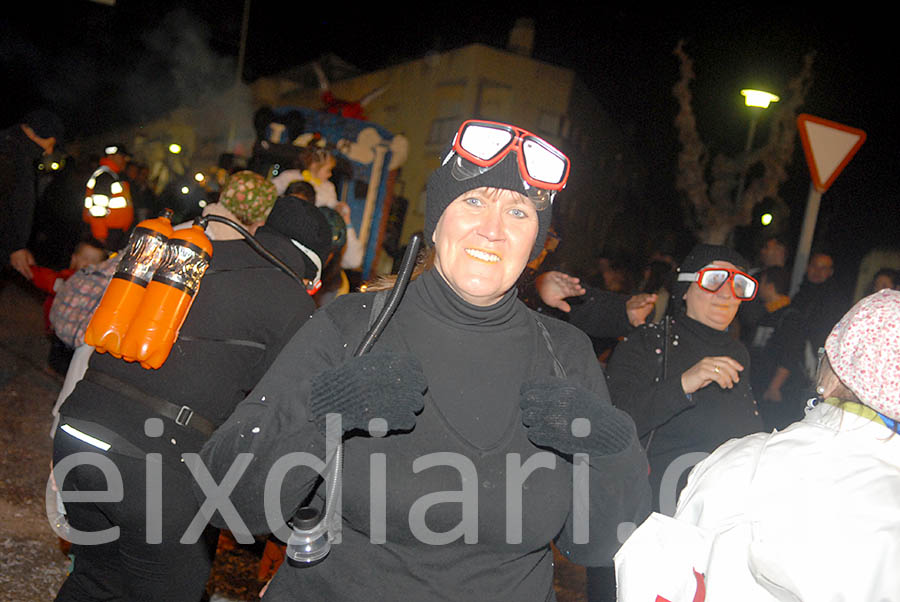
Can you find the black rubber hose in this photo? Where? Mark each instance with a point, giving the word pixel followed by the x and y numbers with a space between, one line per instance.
pixel 390 305
pixel 396 294
pixel 251 240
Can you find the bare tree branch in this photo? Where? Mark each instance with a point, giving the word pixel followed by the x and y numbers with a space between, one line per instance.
pixel 693 158
pixel 715 211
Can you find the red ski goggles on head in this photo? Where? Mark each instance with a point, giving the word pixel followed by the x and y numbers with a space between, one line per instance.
pixel 486 143
pixel 743 286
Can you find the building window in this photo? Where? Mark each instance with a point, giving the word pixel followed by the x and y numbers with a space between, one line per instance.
pixel 442 130
pixel 448 108
pixel 449 98
pixel 493 100
pixel 549 124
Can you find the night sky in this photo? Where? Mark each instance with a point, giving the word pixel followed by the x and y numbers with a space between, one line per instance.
pixel 102 66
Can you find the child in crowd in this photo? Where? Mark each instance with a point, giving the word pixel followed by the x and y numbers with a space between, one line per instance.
pixel 87 253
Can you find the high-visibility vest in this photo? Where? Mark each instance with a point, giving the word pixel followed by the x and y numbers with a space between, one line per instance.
pixel 107 203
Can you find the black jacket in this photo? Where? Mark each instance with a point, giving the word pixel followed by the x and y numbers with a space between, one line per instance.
pixel 778 342
pixel 601 314
pixel 680 424
pixel 18 188
pixel 243 313
pixel 822 306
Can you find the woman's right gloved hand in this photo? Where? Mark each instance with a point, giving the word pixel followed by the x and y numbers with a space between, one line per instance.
pixel 375 385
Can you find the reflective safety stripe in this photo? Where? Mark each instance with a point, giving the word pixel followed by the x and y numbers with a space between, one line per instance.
pixel 98 211
pixel 68 428
pixel 92 182
pixel 103 169
pixel 316 282
pixel 118 202
pixel 100 199
pixel 88 202
pixel 116 187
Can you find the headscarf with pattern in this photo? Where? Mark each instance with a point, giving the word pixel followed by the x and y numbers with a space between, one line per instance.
pixel 249 196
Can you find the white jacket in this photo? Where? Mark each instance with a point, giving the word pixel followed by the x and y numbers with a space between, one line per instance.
pixel 810 513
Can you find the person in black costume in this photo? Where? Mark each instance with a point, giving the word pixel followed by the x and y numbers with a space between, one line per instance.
pixel 472 385
pixel 21 146
pixel 776 349
pixel 244 312
pixel 686 381
pixel 599 313
pixel 820 300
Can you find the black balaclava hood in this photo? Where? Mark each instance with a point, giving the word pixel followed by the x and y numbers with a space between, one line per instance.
pixel 701 256
pixel 302 222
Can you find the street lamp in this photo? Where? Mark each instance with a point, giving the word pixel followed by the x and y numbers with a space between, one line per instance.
pixel 757 100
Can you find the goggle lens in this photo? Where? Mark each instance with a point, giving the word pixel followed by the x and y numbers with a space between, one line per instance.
pixel 744 288
pixel 484 142
pixel 713 279
pixel 542 164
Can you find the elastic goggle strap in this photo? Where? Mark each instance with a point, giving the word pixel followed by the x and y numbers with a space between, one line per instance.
pixel 313 287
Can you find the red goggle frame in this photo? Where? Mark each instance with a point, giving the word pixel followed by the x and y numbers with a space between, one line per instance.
pixel 486 143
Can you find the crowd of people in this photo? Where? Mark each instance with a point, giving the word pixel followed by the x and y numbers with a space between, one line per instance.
pixel 467 422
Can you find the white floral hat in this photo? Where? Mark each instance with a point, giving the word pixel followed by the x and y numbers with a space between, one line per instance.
pixel 864 351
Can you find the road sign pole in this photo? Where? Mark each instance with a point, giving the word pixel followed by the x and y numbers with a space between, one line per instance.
pixel 804 245
pixel 828 147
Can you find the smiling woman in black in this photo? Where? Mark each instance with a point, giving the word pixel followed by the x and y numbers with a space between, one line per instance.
pixel 474 480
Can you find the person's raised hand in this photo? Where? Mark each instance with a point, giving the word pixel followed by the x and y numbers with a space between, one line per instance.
pixel 722 370
pixel 638 307
pixel 555 287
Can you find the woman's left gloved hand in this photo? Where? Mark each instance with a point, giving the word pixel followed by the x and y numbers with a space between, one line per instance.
pixel 565 416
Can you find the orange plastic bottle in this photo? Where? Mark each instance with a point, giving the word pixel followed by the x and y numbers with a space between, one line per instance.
pixel 169 295
pixel 123 295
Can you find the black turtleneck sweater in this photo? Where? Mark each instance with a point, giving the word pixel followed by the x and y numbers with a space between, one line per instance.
pixel 680 423
pixel 474 359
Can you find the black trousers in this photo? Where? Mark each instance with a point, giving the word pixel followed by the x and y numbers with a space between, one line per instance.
pixel 129 568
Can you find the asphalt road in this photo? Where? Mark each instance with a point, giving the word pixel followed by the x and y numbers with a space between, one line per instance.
pixel 32 558
pixel 33 564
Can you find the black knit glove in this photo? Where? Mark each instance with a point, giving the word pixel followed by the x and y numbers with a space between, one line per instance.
pixel 549 407
pixel 375 385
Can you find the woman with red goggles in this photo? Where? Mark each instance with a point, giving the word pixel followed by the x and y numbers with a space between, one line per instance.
pixel 486 408
pixel 686 380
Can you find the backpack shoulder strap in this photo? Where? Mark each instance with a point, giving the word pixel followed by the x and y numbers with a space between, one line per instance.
pixel 558 368
pixel 377 303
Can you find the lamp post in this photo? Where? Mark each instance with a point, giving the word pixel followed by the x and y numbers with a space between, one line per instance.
pixel 757 100
pixel 239 73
